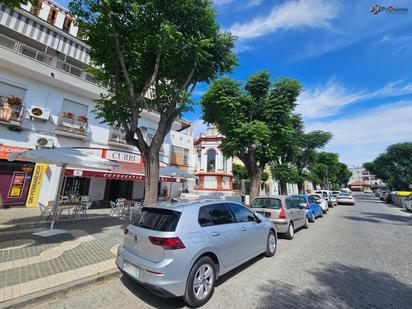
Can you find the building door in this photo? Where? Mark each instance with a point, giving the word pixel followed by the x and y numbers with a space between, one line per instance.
pixel 118 189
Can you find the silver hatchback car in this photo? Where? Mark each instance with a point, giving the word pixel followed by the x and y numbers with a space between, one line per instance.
pixel 181 249
pixel 285 211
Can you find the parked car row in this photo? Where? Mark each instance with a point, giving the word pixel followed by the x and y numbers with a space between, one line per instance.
pixel 400 198
pixel 181 249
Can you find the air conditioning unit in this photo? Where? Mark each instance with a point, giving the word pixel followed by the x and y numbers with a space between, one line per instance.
pixel 39 112
pixel 43 141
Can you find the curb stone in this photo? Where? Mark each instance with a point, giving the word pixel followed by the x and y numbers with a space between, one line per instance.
pixel 58 291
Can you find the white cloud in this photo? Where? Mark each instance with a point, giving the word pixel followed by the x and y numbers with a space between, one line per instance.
pixel 331 98
pixel 222 2
pixel 362 138
pixel 199 127
pixel 291 14
pixel 248 3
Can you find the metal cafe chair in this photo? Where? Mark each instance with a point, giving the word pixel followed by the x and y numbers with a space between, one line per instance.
pixel 113 206
pixel 44 211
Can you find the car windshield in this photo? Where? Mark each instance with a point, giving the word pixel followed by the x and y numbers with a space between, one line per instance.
pixel 344 194
pixel 271 203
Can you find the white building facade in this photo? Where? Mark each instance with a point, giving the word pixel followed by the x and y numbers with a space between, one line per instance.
pixel 47 100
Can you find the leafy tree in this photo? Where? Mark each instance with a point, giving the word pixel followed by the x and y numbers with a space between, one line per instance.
pixel 239 172
pixel 309 144
pixel 16 3
pixel 298 155
pixel 328 172
pixel 256 119
pixel 394 166
pixel 150 55
pixel 343 175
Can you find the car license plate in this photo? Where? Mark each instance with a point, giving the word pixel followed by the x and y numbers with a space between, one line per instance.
pixel 131 269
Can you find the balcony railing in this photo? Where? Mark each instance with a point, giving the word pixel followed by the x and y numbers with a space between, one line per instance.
pixel 71 125
pixel 51 61
pixel 117 137
pixel 11 114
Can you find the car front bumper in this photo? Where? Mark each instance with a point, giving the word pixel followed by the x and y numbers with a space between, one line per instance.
pixel 165 278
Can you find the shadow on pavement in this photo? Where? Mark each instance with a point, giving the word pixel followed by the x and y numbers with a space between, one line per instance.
pixel 174 302
pixel 149 298
pixel 91 226
pixel 340 286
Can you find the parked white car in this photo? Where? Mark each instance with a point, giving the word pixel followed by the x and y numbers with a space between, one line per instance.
pixel 328 196
pixel 367 190
pixel 321 201
pixel 345 198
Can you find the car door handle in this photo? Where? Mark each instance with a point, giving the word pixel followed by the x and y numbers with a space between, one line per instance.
pixel 215 233
pixel 243 228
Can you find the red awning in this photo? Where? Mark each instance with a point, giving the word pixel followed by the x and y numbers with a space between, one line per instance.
pixel 117 176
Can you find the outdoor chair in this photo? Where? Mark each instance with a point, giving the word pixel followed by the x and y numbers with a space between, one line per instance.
pixel 44 211
pixel 80 212
pixel 113 206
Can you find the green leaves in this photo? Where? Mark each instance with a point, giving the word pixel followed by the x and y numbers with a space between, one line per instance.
pixel 394 166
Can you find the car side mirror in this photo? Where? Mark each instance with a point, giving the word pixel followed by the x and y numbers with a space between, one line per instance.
pixel 258 221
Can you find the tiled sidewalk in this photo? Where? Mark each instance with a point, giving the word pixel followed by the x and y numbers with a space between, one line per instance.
pixel 29 264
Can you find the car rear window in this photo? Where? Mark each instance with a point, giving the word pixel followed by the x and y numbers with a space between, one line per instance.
pixel 271 203
pixel 158 219
pixel 300 199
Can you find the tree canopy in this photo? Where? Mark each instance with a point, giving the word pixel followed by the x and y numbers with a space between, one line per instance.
pixel 394 166
pixel 150 55
pixel 256 118
pixel 328 172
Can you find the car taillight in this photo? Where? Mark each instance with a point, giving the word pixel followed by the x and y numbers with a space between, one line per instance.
pixel 169 243
pixel 307 205
pixel 282 214
pixel 126 230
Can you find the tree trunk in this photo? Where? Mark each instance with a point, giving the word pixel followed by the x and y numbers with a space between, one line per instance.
pixel 283 188
pixel 151 180
pixel 255 184
pixel 301 187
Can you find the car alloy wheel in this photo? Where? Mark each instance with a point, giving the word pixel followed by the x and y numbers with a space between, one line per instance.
pixel 291 231
pixel 203 281
pixel 271 245
pixel 306 226
pixel 312 218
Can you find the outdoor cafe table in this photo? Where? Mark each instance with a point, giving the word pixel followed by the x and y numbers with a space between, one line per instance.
pixel 68 205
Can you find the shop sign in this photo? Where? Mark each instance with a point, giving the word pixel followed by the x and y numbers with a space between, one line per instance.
pixel 34 190
pixel 122 156
pixel 16 185
pixel 5 150
pixel 77 173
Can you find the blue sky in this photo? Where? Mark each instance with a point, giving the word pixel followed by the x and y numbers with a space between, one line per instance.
pixel 354 66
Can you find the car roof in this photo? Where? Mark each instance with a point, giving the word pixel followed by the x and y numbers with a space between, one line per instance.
pixel 282 197
pixel 180 205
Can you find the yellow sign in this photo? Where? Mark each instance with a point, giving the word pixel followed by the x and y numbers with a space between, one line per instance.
pixel 34 190
pixel 15 191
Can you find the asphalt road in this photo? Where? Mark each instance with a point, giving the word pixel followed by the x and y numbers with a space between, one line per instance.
pixel 354 257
